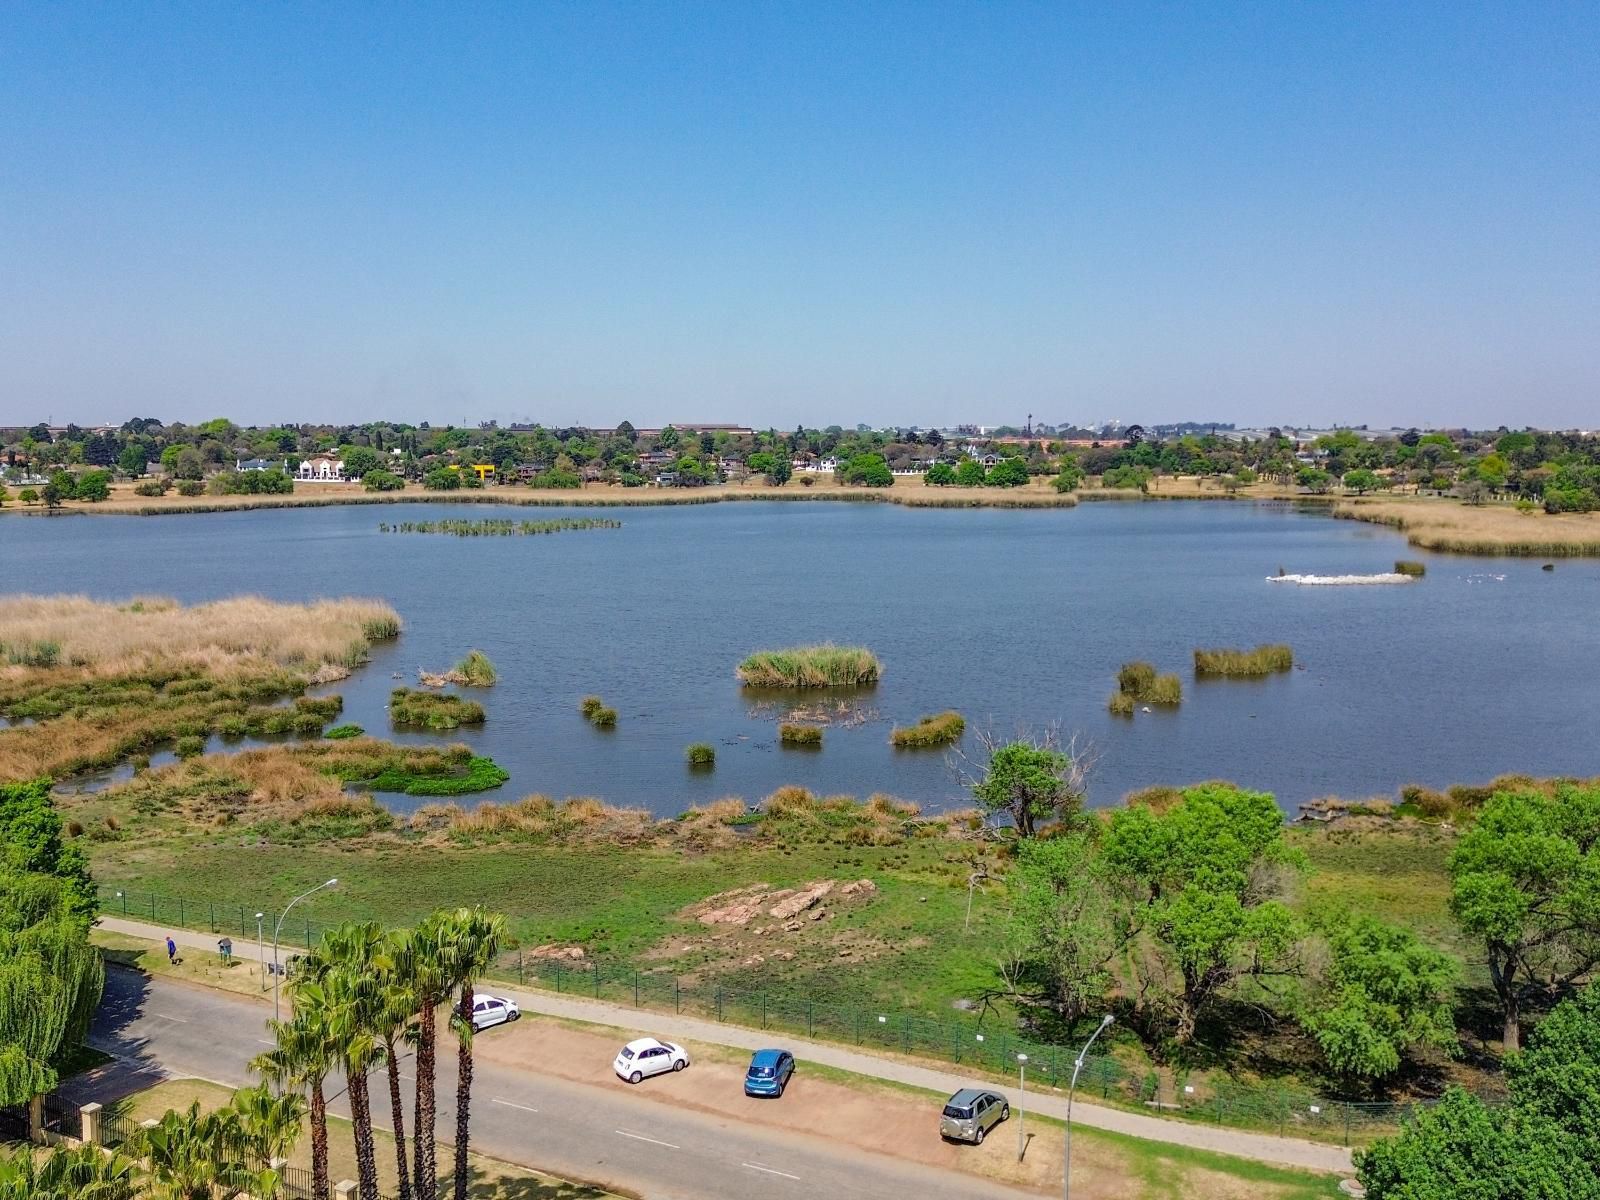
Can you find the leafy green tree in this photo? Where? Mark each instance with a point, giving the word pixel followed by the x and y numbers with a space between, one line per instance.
pixel 425 962
pixel 33 841
pixel 940 474
pixel 782 470
pixel 187 464
pixel 1061 933
pixel 134 459
pixel 1202 883
pixel 1313 479
pixel 1069 478
pixel 358 460
pixel 1029 781
pixel 195 1155
pixel 1008 472
pixel 442 479
pixel 65 483
pixel 970 473
pixel 301 1058
pixel 4 495
pixel 1361 480
pixel 1126 477
pixel 1385 993
pixel 382 481
pixel 339 992
pixel 269 1123
pixel 28 496
pixel 870 470
pixel 1525 881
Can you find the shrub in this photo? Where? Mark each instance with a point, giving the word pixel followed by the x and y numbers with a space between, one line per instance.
pixel 475 670
pixel 191 487
pixel 382 481
pixel 152 487
pixel 590 705
pixel 189 747
pixel 1166 690
pixel 799 735
pixel 433 710
pixel 1135 678
pixel 339 732
pixel 30 654
pixel 701 754
pixel 1263 660
pixel 1121 704
pixel 826 665
pixel 1425 801
pixel 1407 567
pixel 937 729
pixel 605 718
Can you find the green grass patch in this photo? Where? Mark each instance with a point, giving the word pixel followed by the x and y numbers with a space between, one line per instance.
pixel 340 732
pixel 793 734
pixel 477 775
pixel 475 670
pixel 700 754
pixel 432 710
pixel 1263 660
pixel 937 729
pixel 811 666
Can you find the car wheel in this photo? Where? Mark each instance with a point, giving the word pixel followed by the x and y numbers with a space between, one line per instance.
pixel 635 1077
pixel 1005 1112
pixel 679 1064
pixel 516 1016
pixel 977 1138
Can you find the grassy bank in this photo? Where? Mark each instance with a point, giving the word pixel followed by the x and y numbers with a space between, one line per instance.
pixel 810 667
pixel 1489 529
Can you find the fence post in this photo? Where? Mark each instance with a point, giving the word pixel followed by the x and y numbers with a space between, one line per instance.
pixel 211 905
pixel 152 906
pixel 308 933
pixel 180 912
pixel 93 1131
pixel 559 969
pixel 124 903
pixel 1347 1125
pixel 763 1010
pixel 858 1027
pixel 905 1033
pixel 677 1000
pixel 809 1026
pixel 597 979
pixel 521 981
pixel 719 1004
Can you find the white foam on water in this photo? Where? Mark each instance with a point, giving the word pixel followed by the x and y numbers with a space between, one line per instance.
pixel 1341 580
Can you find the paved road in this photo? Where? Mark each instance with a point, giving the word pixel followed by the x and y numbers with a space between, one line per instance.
pixel 1262 1147
pixel 611 1136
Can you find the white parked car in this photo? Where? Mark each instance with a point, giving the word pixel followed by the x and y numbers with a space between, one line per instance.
pixel 492 1010
pixel 646 1056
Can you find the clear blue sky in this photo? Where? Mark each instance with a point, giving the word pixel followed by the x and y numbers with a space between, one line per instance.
pixel 828 212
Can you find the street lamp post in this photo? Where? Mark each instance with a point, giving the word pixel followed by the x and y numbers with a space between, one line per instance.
pixel 261 950
pixel 278 928
pixel 1077 1065
pixel 1022 1101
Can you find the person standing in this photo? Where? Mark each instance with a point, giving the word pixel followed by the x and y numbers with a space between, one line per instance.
pixel 172 951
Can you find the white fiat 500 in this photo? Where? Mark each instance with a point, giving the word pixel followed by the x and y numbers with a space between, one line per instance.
pixel 646 1056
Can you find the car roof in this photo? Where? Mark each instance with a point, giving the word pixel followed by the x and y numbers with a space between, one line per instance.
pixel 965 1097
pixel 766 1058
pixel 639 1044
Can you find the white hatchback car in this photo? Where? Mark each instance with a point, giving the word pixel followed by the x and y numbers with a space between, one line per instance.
pixel 492 1010
pixel 646 1056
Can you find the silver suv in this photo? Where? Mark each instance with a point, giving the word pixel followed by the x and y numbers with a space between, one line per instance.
pixel 970 1114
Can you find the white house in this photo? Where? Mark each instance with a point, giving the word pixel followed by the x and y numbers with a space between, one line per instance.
pixel 321 468
pixel 815 466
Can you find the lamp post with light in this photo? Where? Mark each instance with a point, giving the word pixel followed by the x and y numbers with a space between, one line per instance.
pixel 1022 1101
pixel 1077 1065
pixel 278 928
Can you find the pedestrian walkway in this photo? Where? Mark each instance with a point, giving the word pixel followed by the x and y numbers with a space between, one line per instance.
pixel 1261 1147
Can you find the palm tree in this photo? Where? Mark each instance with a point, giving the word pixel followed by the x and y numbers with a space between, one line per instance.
pixel 350 999
pixel 302 1058
pixel 269 1124
pixel 195 1155
pixel 79 1173
pixel 477 938
pixel 396 1011
pixel 426 965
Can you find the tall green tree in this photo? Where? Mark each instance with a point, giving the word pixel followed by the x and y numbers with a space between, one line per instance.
pixel 269 1123
pixel 1203 885
pixel 1385 993
pixel 1062 934
pixel 301 1057
pixel 1030 780
pixel 196 1155
pixel 33 840
pixel 1525 881
pixel 426 962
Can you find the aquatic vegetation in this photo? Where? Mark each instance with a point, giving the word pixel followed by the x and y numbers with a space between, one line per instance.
pixel 1165 690
pixel 604 717
pixel 475 670
pixel 826 665
pixel 590 705
pixel 701 754
pixel 1263 660
pixel 1138 681
pixel 1406 566
pixel 795 734
pixel 339 732
pixel 431 710
pixel 1135 678
pixel 936 729
pixel 499 528
pixel 1121 704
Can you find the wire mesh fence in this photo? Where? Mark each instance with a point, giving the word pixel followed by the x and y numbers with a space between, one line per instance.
pixel 967 1041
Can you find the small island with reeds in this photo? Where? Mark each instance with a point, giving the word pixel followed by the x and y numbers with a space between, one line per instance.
pixel 793 733
pixel 432 710
pixel 820 666
pixel 936 729
pixel 596 712
pixel 1263 660
pixel 1138 683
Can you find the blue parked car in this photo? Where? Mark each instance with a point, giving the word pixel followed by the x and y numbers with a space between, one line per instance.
pixel 769 1073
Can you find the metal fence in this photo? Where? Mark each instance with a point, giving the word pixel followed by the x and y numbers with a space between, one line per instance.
pixel 963 1040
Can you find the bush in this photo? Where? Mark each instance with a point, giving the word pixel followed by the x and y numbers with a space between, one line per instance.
pixel 798 735
pixel 250 483
pixel 475 670
pixel 700 754
pixel 191 487
pixel 152 487
pixel 433 710
pixel 30 654
pixel 1263 660
pixel 1121 704
pixel 189 747
pixel 1135 678
pixel 382 481
pixel 590 705
pixel 1407 567
pixel 605 718
pixel 442 479
pixel 938 729
pixel 810 666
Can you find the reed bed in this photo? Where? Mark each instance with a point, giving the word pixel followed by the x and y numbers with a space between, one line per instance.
pixel 538 819
pixel 431 710
pixel 499 528
pixel 1263 660
pixel 701 754
pixel 826 665
pixel 475 670
pixel 1487 529
pixel 936 729
pixel 1120 704
pixel 792 733
pixel 1139 682
pixel 1407 566
pixel 112 639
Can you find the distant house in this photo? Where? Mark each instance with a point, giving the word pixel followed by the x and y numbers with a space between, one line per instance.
pixel 816 466
pixel 257 464
pixel 321 468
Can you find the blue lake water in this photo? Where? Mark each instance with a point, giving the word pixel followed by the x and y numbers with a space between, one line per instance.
pixel 1016 618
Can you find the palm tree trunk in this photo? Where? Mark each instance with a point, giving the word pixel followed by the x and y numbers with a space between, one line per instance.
pixel 397 1111
pixel 463 1088
pixel 319 1142
pixel 361 1119
pixel 426 1180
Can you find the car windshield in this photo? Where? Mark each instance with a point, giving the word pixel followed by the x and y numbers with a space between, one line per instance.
pixel 761 1072
pixel 627 1052
pixel 956 1111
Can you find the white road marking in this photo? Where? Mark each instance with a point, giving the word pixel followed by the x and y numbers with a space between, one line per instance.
pixel 165 1017
pixel 264 1042
pixel 770 1171
pixel 510 1104
pixel 639 1137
